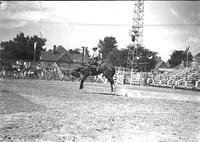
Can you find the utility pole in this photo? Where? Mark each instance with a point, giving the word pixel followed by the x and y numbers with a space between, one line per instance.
pixel 186 52
pixel 136 33
pixel 83 57
pixel 34 50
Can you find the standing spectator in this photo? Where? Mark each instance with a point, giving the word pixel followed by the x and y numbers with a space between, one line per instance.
pixel 182 64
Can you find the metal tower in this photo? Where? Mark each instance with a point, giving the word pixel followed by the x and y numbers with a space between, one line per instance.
pixel 136 33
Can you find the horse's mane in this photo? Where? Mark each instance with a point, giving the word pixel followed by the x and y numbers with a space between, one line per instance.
pixel 79 69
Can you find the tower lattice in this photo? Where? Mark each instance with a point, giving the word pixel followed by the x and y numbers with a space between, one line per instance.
pixel 136 33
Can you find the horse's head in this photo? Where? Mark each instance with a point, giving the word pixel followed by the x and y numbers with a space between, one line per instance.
pixel 77 72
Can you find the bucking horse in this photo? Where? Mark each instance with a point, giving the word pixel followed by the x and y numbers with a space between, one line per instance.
pixel 91 70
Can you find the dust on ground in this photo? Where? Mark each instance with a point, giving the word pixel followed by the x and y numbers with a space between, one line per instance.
pixel 56 111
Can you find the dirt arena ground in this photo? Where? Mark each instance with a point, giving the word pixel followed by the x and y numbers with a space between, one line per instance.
pixel 56 111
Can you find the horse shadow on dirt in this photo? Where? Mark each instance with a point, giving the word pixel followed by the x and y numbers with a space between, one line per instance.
pixel 100 93
pixel 5 91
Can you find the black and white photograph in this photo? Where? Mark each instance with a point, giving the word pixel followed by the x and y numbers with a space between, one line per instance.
pixel 100 71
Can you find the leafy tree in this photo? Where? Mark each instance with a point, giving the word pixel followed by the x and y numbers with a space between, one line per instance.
pixel 110 53
pixel 75 51
pixel 119 57
pixel 178 56
pixel 22 47
pixel 123 57
pixel 7 50
pixel 144 55
pixel 106 46
pixel 78 51
pixel 197 57
pixel 39 46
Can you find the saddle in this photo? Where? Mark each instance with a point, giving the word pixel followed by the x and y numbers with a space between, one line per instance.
pixel 93 66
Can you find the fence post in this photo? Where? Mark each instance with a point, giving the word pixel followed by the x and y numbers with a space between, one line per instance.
pixel 59 71
pixel 131 77
pixel 196 84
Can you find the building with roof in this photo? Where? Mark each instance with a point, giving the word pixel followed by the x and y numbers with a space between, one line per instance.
pixel 162 66
pixel 60 55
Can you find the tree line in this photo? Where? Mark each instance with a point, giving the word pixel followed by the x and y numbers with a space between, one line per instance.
pixel 22 47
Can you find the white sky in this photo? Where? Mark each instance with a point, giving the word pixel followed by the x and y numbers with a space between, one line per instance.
pixel 168 25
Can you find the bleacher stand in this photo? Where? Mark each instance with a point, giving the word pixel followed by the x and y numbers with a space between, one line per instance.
pixel 180 77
